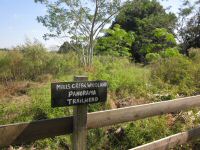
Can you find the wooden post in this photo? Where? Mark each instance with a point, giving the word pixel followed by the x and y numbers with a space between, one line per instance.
pixel 80 122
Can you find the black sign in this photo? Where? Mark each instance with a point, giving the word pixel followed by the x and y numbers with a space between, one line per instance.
pixel 76 93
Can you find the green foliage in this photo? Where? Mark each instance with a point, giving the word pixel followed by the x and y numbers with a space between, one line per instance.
pixel 117 42
pixel 194 54
pixel 160 42
pixel 59 64
pixel 38 107
pixel 170 74
pixel 148 19
pixel 170 52
pixel 30 61
pixel 145 131
pixel 188 25
pixel 40 114
pixel 67 47
pixel 151 57
pixel 162 33
pixel 123 77
pixel 24 62
pixel 11 65
pixel 164 37
pixel 4 61
pixel 78 22
pixel 35 59
pixel 138 133
pixel 178 73
pixel 96 138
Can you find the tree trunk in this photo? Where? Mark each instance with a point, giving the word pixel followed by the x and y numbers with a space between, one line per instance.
pixel 90 51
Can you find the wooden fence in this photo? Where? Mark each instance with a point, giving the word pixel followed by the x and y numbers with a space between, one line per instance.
pixel 25 132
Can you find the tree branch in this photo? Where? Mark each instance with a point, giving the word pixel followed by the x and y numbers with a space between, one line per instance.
pixel 104 22
pixel 94 19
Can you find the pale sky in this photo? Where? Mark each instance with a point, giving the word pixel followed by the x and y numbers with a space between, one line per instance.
pixel 18 22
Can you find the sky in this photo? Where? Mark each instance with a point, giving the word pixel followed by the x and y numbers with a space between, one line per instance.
pixel 18 22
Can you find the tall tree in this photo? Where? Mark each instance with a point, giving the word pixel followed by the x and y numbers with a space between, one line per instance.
pixel 68 47
pixel 188 26
pixel 143 17
pixel 78 21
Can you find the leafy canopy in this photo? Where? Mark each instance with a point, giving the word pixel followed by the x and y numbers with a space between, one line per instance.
pixel 78 21
pixel 117 42
pixel 188 26
pixel 148 19
pixel 75 17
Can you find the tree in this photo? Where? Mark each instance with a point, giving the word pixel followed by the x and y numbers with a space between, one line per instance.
pixel 143 17
pixel 117 42
pixel 188 26
pixel 163 44
pixel 68 47
pixel 160 41
pixel 78 21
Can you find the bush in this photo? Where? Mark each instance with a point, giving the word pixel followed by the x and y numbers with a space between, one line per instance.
pixel 170 52
pixel 32 62
pixel 151 57
pixel 11 65
pixel 168 75
pixel 138 133
pixel 176 73
pixel 4 66
pixel 194 54
pixel 123 77
pixel 35 60
pixel 147 130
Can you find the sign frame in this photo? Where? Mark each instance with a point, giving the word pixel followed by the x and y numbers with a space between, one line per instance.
pixel 78 93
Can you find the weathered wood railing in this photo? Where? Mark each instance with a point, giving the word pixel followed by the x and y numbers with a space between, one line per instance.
pixel 171 141
pixel 24 132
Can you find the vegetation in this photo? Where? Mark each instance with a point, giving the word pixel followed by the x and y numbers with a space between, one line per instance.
pixel 26 83
pixel 138 55
pixel 118 42
pixel 188 25
pixel 79 22
pixel 147 19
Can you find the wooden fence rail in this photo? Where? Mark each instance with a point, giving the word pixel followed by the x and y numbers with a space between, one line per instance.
pixel 20 133
pixel 25 132
pixel 171 141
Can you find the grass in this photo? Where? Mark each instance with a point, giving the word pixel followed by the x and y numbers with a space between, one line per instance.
pixel 28 98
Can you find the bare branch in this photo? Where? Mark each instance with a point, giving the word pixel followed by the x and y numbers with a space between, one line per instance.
pixel 105 21
pixel 94 19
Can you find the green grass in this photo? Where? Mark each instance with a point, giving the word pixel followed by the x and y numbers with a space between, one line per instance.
pixel 155 82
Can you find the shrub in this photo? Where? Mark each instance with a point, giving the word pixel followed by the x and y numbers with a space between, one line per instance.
pixel 194 54
pixel 123 77
pixel 35 60
pixel 170 52
pixel 4 66
pixel 32 61
pixel 11 63
pixel 172 70
pixel 139 133
pixel 177 72
pixel 151 57
pixel 147 130
pixel 117 42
